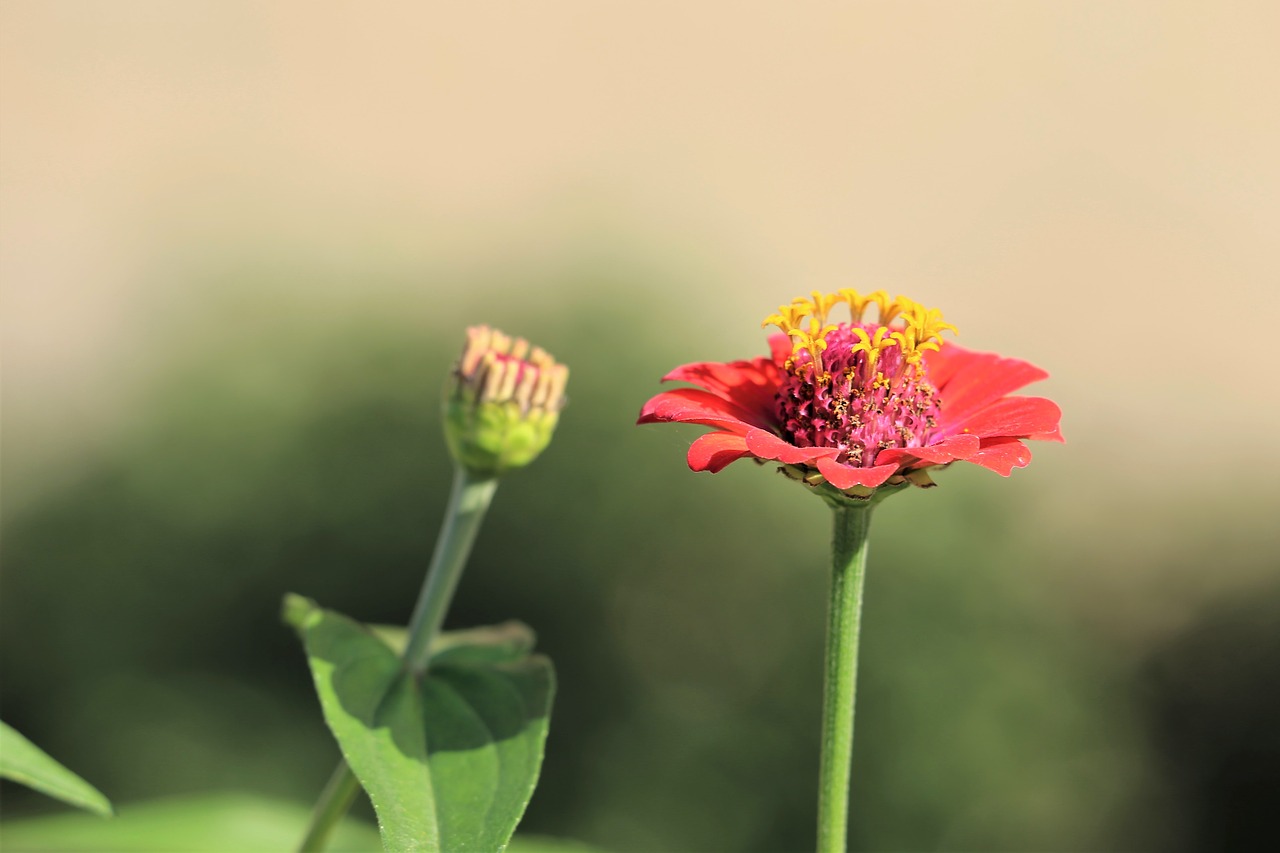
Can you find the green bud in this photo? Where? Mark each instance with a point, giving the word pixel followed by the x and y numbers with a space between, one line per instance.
pixel 502 402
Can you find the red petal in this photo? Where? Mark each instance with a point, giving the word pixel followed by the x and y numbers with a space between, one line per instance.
pixel 1002 455
pixel 713 451
pixel 751 384
pixel 766 445
pixel 1053 435
pixel 695 406
pixel 780 349
pixel 942 364
pixel 967 381
pixel 846 477
pixel 951 448
pixel 1016 417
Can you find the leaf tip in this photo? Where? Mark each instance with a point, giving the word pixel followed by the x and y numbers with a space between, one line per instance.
pixel 298 611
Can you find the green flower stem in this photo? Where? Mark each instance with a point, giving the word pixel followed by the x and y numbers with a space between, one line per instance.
pixel 848 564
pixel 335 800
pixel 468 503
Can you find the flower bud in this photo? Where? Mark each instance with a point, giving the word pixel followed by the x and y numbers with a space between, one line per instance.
pixel 502 402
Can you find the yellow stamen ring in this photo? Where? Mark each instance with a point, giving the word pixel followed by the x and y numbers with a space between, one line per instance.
pixel 872 345
pixel 921 328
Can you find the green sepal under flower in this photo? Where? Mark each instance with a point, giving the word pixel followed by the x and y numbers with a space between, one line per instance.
pixel 858 496
pixel 503 402
pixel 489 438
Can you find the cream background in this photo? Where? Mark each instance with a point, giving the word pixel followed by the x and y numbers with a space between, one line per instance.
pixel 1093 186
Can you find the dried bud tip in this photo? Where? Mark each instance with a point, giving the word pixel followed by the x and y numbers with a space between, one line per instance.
pixel 503 403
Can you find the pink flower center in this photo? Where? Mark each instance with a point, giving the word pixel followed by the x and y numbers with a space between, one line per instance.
pixel 857 386
pixel 858 402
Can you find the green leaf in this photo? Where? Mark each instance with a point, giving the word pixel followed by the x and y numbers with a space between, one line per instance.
pixel 506 643
pixel 23 761
pixel 509 641
pixel 450 760
pixel 202 823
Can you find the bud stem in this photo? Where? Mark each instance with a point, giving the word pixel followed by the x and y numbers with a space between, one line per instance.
pixel 468 503
pixel 849 560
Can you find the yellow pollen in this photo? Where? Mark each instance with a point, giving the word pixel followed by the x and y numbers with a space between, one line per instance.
pixel 787 318
pixel 920 329
pixel 872 345
pixel 923 331
pixel 890 309
pixel 822 305
pixel 803 308
pixel 813 340
pixel 928 322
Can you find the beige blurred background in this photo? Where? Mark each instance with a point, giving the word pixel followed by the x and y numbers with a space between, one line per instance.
pixel 1092 186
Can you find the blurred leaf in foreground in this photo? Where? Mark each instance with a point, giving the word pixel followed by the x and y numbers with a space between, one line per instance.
pixel 208 823
pixel 24 762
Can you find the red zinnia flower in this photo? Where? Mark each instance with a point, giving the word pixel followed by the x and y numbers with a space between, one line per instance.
pixel 860 404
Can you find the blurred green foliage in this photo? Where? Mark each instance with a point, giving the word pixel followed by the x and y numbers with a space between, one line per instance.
pixel 141 638
pixel 207 824
pixel 27 764
pixel 211 823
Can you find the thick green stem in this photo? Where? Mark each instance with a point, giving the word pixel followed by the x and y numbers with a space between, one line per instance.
pixel 468 503
pixel 849 560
